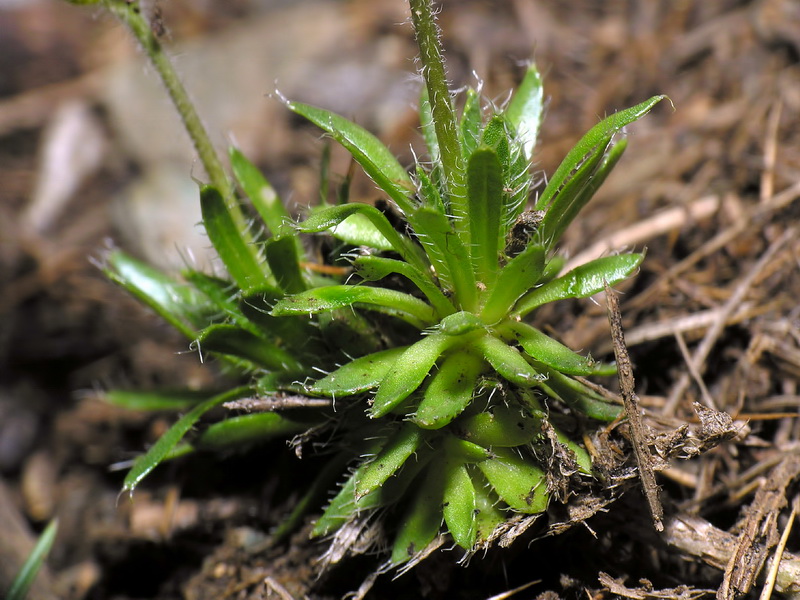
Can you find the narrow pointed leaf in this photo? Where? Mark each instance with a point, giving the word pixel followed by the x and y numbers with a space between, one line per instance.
pixel 375 158
pixel 383 237
pixel 522 273
pixel 501 426
pixel 595 136
pixel 24 579
pixel 450 390
pixel 553 353
pixel 578 192
pixel 161 449
pixel 508 361
pixel 459 505
pixel 521 484
pixel 404 306
pixel 283 262
pixel 263 196
pixel 359 375
pixel 374 268
pixel 470 124
pixel 421 522
pixel 524 112
pixel 489 513
pixel 238 254
pixel 485 185
pixel 177 303
pixel 409 371
pixel 444 247
pixel 389 460
pixel 234 341
pixel 581 282
pixel 244 430
pixel 159 400
pixel 577 396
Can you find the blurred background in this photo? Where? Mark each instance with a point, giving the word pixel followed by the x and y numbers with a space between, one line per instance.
pixel 92 156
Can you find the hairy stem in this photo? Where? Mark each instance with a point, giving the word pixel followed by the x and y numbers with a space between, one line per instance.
pixel 131 15
pixel 442 109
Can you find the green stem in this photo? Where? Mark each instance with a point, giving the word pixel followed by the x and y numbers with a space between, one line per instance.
pixel 130 13
pixel 444 120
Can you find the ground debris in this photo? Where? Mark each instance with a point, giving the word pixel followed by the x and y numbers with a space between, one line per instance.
pixel 645 590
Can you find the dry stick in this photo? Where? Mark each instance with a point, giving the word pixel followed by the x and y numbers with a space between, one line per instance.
pixel 659 224
pixel 640 435
pixel 698 379
pixel 770 153
pixel 712 335
pixel 747 223
pixel 772 576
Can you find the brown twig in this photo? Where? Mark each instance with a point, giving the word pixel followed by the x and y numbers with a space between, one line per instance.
pixel 640 434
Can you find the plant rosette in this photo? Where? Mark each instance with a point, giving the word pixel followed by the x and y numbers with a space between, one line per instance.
pixel 441 394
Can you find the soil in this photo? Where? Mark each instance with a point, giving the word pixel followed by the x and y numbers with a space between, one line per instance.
pixel 709 186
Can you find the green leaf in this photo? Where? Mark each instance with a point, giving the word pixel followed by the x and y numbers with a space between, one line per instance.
pixel 503 425
pixel 398 448
pixel 577 396
pixel 485 192
pixel 409 371
pixel 375 158
pixel 239 256
pixel 581 282
pixel 161 449
pixel 524 112
pixel 428 128
pixel 245 430
pixel 421 522
pixel 450 390
pixel 296 332
pixel 553 353
pixel 521 484
pixel 521 274
pixel 283 261
pixel 383 234
pixel 234 341
pixel 374 268
pixel 577 192
pixel 24 579
pixel 496 138
pixel 459 505
pixel 175 302
pixel 263 196
pixel 446 253
pixel 160 400
pixel 404 306
pixel 489 511
pixel 596 136
pixel 470 125
pixel 508 361
pixel 358 375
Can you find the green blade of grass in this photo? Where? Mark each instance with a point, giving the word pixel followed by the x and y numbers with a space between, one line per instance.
pixel 143 465
pixel 522 273
pixel 244 430
pixel 33 564
pixel 450 390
